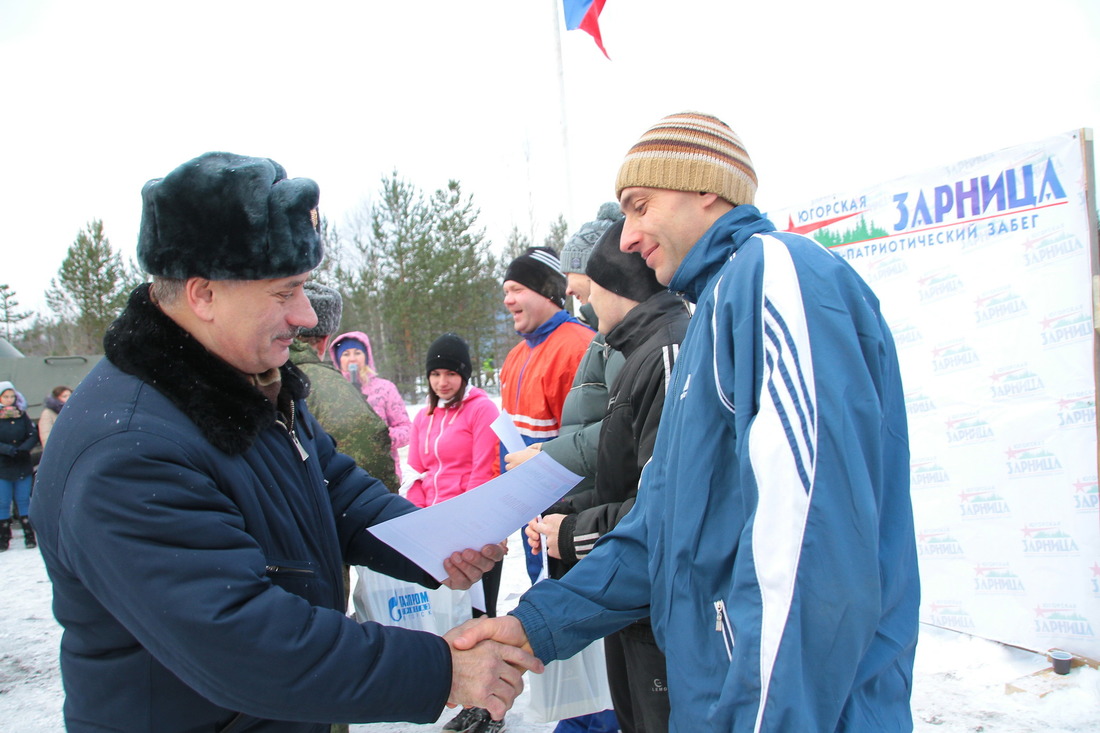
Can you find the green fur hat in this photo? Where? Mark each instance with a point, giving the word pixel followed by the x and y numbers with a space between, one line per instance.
pixel 229 217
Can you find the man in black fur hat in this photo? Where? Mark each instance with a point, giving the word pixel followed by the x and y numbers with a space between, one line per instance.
pixel 195 518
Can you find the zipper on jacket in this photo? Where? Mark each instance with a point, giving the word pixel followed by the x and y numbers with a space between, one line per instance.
pixel 438 438
pixel 286 570
pixel 428 432
pixel 293 435
pixel 722 625
pixel 427 452
pixel 336 576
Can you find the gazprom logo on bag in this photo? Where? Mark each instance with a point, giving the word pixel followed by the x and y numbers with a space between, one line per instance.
pixel 410 604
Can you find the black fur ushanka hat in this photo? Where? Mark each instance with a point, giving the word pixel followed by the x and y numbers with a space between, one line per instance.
pixel 229 217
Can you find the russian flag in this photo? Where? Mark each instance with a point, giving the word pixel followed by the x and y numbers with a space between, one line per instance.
pixel 585 15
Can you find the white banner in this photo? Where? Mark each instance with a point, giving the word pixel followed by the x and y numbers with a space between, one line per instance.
pixel 984 272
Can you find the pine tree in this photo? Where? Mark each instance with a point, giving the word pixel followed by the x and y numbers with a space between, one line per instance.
pixel 410 268
pixel 45 337
pixel 384 274
pixel 559 230
pixel 10 315
pixel 468 288
pixel 90 288
pixel 517 244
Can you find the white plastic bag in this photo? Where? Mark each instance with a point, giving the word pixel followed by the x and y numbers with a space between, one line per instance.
pixel 570 687
pixel 393 602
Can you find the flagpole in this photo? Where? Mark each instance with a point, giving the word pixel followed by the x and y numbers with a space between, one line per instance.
pixel 558 9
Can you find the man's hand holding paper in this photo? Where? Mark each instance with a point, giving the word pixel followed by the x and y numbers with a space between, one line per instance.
pixel 466 567
pixel 482 516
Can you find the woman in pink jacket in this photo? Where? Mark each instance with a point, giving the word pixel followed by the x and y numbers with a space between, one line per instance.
pixel 454 448
pixel 351 353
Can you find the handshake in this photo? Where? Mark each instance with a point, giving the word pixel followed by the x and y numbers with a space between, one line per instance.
pixel 488 655
pixel 488 659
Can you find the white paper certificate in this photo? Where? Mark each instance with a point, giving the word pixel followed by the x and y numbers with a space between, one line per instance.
pixel 506 430
pixel 482 516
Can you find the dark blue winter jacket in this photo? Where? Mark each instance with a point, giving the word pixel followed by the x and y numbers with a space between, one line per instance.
pixel 196 543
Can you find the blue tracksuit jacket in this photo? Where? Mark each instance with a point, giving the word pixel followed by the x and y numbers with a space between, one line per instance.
pixel 772 542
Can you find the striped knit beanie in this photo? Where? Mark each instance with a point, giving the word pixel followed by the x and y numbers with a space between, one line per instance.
pixel 690 151
pixel 540 270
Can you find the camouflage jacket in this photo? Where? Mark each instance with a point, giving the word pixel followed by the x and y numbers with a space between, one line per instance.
pixel 346 416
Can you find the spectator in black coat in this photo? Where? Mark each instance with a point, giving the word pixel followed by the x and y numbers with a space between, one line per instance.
pixel 18 436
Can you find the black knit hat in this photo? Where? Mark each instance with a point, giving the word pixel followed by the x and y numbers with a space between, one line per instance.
pixel 539 269
pixel 623 273
pixel 449 351
pixel 328 305
pixel 229 217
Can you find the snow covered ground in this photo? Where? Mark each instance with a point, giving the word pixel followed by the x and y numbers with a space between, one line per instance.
pixel 959 688
pixel 959 680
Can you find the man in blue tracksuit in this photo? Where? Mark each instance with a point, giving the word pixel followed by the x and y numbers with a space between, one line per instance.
pixel 772 541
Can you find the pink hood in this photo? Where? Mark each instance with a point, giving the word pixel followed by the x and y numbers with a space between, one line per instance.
pixel 382 395
pixel 359 336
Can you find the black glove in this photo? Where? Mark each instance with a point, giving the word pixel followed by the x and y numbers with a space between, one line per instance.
pixel 7 450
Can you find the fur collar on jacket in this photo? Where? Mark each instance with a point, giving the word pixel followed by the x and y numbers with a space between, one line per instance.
pixel 230 412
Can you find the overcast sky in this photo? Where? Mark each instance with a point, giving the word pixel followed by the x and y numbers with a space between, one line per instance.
pixel 829 97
